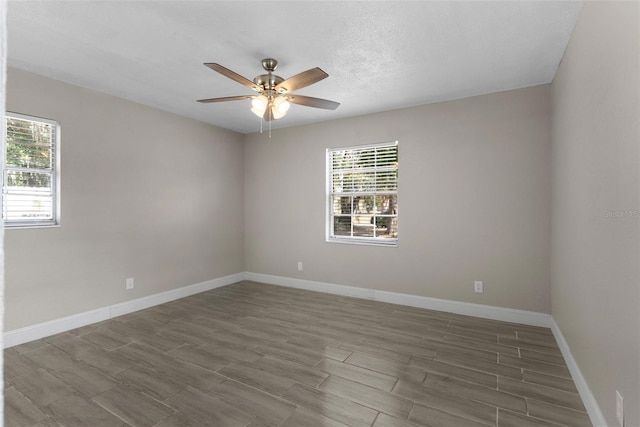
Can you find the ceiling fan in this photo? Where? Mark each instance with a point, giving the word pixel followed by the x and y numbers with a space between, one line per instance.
pixel 275 95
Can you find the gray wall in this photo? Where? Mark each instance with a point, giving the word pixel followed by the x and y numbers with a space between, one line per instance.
pixel 595 290
pixel 145 194
pixel 474 201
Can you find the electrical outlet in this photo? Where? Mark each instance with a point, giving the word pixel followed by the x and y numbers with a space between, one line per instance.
pixel 619 408
pixel 300 266
pixel 478 287
pixel 129 283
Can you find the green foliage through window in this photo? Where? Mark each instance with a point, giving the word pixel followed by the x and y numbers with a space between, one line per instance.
pixel 29 179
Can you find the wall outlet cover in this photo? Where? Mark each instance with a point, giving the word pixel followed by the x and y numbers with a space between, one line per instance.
pixel 478 286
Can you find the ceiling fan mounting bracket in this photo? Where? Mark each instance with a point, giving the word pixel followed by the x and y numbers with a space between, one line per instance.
pixel 269 64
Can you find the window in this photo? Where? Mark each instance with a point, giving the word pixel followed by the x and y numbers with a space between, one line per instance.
pixel 29 196
pixel 363 194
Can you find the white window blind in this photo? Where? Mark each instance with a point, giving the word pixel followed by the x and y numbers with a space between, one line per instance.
pixel 29 196
pixel 363 194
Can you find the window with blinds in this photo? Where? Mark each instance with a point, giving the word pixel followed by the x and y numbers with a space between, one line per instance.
pixel 363 194
pixel 29 196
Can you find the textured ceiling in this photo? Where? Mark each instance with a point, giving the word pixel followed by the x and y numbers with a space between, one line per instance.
pixel 380 55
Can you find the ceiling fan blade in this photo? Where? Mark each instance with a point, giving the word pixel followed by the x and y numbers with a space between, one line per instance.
pixel 301 80
pixel 227 98
pixel 232 75
pixel 309 101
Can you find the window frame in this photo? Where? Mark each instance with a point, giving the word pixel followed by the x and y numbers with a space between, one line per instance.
pixel 54 171
pixel 330 237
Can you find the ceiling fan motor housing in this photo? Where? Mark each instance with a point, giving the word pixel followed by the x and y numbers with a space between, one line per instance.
pixel 268 81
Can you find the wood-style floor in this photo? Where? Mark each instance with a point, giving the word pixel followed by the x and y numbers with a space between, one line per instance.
pixel 254 355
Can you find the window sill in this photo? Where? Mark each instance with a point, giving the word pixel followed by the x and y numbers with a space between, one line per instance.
pixel 364 242
pixel 29 226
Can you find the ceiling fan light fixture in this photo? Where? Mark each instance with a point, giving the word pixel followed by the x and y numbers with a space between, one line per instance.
pixel 280 107
pixel 259 105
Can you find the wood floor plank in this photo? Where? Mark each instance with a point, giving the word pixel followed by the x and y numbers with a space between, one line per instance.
pixel 368 396
pixel 543 357
pixel 534 365
pixel 320 345
pixel 254 377
pixel 107 339
pixel 42 387
pixel 481 345
pixel 302 417
pixel 540 346
pixel 109 362
pixel 476 392
pixel 253 401
pixel 295 372
pixel 49 357
pixel 293 352
pixel 377 351
pixel 198 408
pixel 557 414
pixel 15 363
pixel 331 406
pixel 558 383
pixel 74 345
pixel 76 410
pixel 355 373
pixel 460 372
pixel 20 411
pixel 540 392
pixel 426 416
pixel 385 420
pixel 399 370
pixel 197 356
pixel 449 403
pixel 230 351
pixel 150 382
pixel 133 407
pixel 510 419
pixel 86 379
pixel 489 367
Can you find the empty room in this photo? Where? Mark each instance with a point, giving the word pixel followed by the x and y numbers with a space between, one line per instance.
pixel 328 213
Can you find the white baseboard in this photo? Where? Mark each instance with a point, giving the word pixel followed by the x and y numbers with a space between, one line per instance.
pixel 52 327
pixel 588 399
pixel 531 318
pixel 45 329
